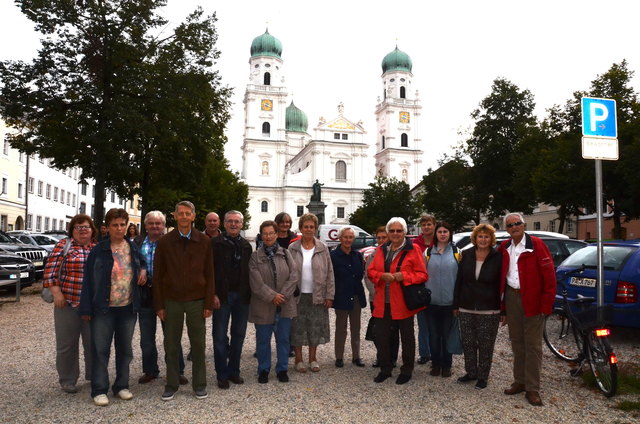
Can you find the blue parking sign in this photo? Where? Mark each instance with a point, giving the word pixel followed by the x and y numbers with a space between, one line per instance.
pixel 599 118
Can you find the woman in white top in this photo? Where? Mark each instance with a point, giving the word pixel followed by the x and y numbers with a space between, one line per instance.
pixel 316 287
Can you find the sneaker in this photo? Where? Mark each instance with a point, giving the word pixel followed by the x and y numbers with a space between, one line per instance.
pixel 263 377
pixel 481 384
pixel 201 394
pixel 283 377
pixel 101 400
pixel 125 394
pixel 168 395
pixel 69 388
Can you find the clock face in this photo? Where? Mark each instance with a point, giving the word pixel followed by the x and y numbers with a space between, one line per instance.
pixel 266 104
pixel 405 117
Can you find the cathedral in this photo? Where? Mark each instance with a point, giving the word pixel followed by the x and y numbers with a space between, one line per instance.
pixel 282 158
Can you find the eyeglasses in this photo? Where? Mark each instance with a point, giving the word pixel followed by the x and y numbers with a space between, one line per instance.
pixel 233 221
pixel 395 231
pixel 268 235
pixel 82 227
pixel 515 224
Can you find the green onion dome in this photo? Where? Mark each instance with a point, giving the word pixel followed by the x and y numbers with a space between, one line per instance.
pixel 295 119
pixel 397 60
pixel 266 45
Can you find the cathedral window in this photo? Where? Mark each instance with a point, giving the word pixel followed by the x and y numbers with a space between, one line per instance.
pixel 336 136
pixel 345 136
pixel 383 142
pixel 267 78
pixel 404 140
pixel 403 94
pixel 266 129
pixel 299 211
pixel 341 171
pixel 264 206
pixel 340 212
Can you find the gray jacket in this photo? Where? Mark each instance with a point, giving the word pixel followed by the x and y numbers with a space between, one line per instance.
pixel 264 288
pixel 324 285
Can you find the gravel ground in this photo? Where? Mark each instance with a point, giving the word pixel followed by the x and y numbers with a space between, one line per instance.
pixel 348 395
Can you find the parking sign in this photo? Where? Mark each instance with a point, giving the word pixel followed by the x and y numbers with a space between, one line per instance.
pixel 599 118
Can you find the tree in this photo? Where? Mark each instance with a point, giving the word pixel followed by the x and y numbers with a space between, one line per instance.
pixel 450 193
pixel 504 121
pixel 138 112
pixel 384 199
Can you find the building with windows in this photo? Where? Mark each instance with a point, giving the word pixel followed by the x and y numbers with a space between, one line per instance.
pixel 12 185
pixel 283 157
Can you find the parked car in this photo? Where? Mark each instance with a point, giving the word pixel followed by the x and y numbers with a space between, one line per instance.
pixel 14 267
pixel 43 240
pixel 621 261
pixel 36 254
pixel 56 234
pixel 559 247
pixel 464 238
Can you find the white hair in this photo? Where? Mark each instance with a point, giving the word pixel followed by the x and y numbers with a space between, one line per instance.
pixel 155 214
pixel 343 229
pixel 397 220
pixel 512 214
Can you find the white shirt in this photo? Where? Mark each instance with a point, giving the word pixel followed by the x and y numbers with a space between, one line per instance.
pixel 306 281
pixel 515 250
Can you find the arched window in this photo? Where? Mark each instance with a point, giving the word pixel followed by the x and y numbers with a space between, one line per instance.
pixel 383 142
pixel 403 94
pixel 267 78
pixel 341 171
pixel 264 206
pixel 404 140
pixel 266 129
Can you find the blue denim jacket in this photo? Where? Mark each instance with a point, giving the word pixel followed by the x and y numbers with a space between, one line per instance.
pixel 96 281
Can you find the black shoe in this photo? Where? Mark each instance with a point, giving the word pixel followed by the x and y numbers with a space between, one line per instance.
pixel 358 362
pixel 435 371
pixel 446 372
pixel 466 378
pixel 263 377
pixel 375 364
pixel 236 379
pixel 481 384
pixel 183 380
pixel 381 377
pixel 423 360
pixel 339 363
pixel 403 378
pixel 283 377
pixel 223 384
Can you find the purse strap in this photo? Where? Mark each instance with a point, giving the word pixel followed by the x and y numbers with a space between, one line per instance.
pixel 402 256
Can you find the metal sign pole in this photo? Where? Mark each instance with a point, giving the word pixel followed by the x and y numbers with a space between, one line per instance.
pixel 600 279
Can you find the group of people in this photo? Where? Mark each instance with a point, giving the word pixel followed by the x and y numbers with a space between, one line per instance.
pixel 286 288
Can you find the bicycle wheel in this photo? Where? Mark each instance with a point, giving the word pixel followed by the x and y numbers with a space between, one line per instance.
pixel 561 336
pixel 604 371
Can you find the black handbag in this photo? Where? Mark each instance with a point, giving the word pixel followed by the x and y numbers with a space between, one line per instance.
pixel 370 335
pixel 416 296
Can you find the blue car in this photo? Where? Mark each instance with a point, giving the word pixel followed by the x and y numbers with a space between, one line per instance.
pixel 621 274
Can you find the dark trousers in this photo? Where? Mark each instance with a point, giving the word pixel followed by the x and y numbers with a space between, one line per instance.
pixel 394 341
pixel 148 321
pixel 478 332
pixel 384 327
pixel 439 320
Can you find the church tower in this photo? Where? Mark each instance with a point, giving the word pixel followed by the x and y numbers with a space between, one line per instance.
pixel 265 103
pixel 398 139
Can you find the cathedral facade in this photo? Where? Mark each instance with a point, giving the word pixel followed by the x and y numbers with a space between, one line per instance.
pixel 283 158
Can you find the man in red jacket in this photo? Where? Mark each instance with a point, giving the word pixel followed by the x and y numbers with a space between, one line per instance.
pixel 528 296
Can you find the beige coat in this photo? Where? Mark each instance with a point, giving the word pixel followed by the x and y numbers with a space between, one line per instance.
pixel 264 289
pixel 324 285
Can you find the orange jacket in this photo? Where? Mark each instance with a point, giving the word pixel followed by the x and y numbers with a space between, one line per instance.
pixel 413 271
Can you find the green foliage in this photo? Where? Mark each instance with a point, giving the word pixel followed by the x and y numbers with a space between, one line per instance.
pixel 384 199
pixel 450 195
pixel 504 123
pixel 137 111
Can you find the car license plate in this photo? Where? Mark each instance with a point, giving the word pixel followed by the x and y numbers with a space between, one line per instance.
pixel 582 282
pixel 37 263
pixel 24 274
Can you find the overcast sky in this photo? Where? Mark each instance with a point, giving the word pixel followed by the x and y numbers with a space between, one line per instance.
pixel 332 51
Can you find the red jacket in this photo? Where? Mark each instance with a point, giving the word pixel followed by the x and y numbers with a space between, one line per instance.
pixel 413 271
pixel 537 276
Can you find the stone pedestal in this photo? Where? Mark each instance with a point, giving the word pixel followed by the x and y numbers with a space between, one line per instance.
pixel 317 208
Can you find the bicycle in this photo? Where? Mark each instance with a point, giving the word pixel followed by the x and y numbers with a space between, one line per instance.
pixel 576 331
